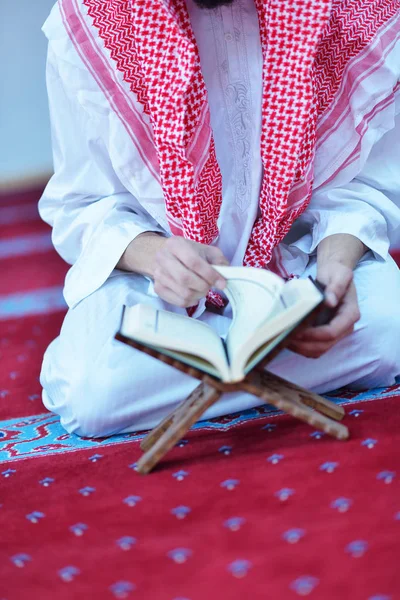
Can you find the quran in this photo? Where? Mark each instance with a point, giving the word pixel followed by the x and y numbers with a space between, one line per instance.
pixel 266 310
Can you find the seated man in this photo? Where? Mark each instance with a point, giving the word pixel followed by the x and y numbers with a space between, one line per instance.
pixel 191 133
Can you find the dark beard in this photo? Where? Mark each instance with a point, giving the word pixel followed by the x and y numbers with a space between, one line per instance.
pixel 212 3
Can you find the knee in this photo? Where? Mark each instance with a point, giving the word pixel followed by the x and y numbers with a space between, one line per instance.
pixel 114 395
pixel 103 406
pixel 88 406
pixel 379 337
pixel 85 416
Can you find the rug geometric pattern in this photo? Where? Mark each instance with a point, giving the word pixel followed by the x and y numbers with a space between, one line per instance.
pixel 250 505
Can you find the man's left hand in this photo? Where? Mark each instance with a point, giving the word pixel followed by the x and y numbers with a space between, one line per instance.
pixel 341 294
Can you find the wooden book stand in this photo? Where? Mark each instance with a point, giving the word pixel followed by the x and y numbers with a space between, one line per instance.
pixel 288 397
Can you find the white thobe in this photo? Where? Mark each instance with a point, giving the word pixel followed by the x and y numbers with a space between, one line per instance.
pixel 100 199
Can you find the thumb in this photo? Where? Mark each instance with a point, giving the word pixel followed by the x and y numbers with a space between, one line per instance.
pixel 215 256
pixel 338 285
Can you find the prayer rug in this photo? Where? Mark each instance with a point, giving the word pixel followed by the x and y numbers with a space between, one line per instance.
pixel 252 505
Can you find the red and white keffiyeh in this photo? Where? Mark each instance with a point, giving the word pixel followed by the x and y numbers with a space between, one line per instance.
pixel 307 46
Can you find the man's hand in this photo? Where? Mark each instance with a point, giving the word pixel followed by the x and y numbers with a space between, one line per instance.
pixel 183 273
pixel 340 292
pixel 181 269
pixel 337 256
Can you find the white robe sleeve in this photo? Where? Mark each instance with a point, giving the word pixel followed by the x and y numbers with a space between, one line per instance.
pixel 367 207
pixel 93 216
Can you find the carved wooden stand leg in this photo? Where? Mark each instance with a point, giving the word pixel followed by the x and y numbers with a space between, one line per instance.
pixel 276 383
pixel 288 397
pixel 293 399
pixel 174 427
pixel 162 427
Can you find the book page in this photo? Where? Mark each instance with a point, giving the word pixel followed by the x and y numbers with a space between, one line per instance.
pixel 191 360
pixel 266 348
pixel 170 331
pixel 298 298
pixel 255 298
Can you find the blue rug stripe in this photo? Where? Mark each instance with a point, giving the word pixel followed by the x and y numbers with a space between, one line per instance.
pixel 21 213
pixel 42 435
pixel 37 302
pixel 25 245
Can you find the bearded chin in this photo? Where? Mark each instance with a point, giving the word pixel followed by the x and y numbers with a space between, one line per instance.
pixel 212 3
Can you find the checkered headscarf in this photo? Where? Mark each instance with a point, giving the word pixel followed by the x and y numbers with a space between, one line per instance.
pixel 307 46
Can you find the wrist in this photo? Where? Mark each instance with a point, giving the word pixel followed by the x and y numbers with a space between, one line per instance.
pixel 340 249
pixel 140 255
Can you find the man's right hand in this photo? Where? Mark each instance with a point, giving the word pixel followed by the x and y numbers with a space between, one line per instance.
pixel 183 273
pixel 181 269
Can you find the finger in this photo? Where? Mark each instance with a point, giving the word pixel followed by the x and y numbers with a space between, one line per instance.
pixel 195 263
pixel 180 275
pixel 312 349
pixel 338 286
pixel 324 334
pixel 318 334
pixel 344 320
pixel 188 297
pixel 300 329
pixel 173 297
pixel 167 294
pixel 215 256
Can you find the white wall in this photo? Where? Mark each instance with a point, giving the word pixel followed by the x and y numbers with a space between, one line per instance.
pixel 25 149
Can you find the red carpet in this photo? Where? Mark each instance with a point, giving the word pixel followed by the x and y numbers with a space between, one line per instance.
pixel 250 506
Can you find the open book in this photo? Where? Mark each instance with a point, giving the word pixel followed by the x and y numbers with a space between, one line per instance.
pixel 266 309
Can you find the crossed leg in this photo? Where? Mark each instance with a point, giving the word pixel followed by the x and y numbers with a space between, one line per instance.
pixel 99 386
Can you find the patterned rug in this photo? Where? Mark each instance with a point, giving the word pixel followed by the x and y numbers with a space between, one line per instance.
pixel 252 505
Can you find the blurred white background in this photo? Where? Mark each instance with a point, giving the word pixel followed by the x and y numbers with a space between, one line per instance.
pixel 25 147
